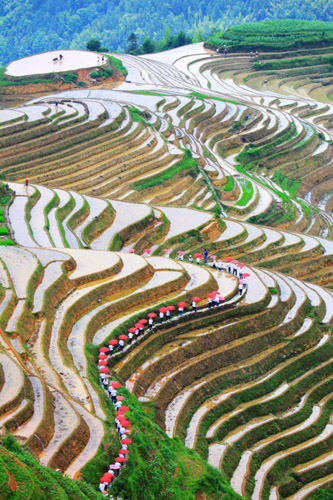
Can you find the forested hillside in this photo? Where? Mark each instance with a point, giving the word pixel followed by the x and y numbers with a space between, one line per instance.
pixel 34 26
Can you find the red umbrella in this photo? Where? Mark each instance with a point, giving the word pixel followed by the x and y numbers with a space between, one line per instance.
pixel 123 337
pixel 123 408
pixel 125 423
pixel 113 342
pixel 171 308
pixel 104 349
pixel 102 356
pixel 151 315
pixel 126 441
pixel 198 255
pixel 104 370
pixel 182 304
pixel 143 321
pixel 211 295
pixel 132 330
pixel 180 252
pixel 119 414
pixel 120 459
pixel 123 452
pixel 103 362
pixel 229 259
pixel 138 325
pixel 108 475
pixel 240 265
pixel 246 275
pixel 105 478
pixel 196 299
pixel 163 309
pixel 147 250
pixel 131 250
pixel 115 384
pixel 120 398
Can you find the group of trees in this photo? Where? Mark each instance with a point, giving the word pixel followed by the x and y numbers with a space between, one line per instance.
pixel 150 45
pixel 34 26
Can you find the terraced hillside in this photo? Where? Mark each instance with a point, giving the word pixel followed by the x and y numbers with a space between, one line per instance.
pixel 196 151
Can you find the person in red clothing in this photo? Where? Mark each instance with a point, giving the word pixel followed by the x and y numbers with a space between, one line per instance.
pixel 26 182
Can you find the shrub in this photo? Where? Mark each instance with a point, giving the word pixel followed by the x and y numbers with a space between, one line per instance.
pixel 4 230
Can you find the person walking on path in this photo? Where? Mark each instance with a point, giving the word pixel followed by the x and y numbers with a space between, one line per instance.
pixel 205 256
pixel 181 310
pixel 209 303
pixel 168 315
pixel 121 344
pixel 161 315
pixel 190 259
pixel 194 306
pixel 150 322
pixel 26 182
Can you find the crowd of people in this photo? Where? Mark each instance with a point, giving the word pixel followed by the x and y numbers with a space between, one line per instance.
pixel 164 314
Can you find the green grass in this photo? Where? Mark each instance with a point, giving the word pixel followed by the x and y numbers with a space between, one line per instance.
pixel 274 36
pixel 117 63
pixel 205 96
pixel 248 192
pixel 187 163
pixel 229 186
pixel 290 185
pixel 4 230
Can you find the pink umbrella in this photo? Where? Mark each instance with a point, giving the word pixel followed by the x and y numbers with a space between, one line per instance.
pixel 113 342
pixel 234 261
pixel 180 252
pixel 104 349
pixel 166 250
pixel 147 250
pixel 213 257
pixel 240 265
pixel 131 250
pixel 171 308
pixel 123 337
pixel 120 398
pixel 182 304
pixel 107 376
pixel 143 321
pixel 113 467
pixel 151 315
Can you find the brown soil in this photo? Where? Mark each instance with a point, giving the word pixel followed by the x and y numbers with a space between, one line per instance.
pixel 11 482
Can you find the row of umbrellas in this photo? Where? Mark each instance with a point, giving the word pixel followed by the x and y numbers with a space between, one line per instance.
pixel 103 361
pixel 125 423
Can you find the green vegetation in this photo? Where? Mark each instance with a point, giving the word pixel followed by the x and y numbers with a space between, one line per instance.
pixel 229 186
pixel 273 36
pixel 205 96
pixel 290 185
pixel 293 63
pixel 248 191
pixel 150 45
pixel 186 165
pixel 21 476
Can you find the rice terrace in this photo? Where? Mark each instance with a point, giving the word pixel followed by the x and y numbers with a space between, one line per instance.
pixel 166 264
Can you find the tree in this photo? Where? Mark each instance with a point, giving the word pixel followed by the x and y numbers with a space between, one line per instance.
pixel 148 46
pixel 93 45
pixel 132 44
